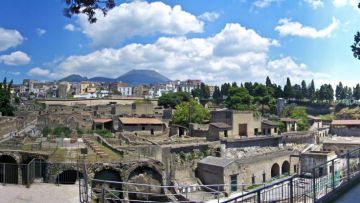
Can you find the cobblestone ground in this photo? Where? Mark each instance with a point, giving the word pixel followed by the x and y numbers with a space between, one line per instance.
pixel 39 193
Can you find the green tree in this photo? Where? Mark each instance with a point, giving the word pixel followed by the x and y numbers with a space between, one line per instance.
pixel 5 98
pixel 170 100
pixel 268 82
pixel 304 90
pixel 87 7
pixel 198 113
pixel 311 91
pixel 239 99
pixel 356 92
pixel 326 92
pixel 288 89
pixel 299 113
pixel 339 91
pixel 204 89
pixel 217 97
pixel 225 89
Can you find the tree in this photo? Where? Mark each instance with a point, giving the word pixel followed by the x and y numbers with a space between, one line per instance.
pixel 205 93
pixel 172 99
pixel 87 7
pixel 311 91
pixel 239 99
pixel 217 97
pixel 297 112
pixel 339 91
pixel 288 90
pixel 304 90
pixel 6 108
pixel 297 92
pixel 268 82
pixel 356 92
pixel 225 89
pixel 326 92
pixel 262 95
pixel 198 113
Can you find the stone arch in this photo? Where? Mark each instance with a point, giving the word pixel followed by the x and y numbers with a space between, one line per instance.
pixel 275 170
pixel 68 177
pixel 16 156
pixel 145 174
pixel 285 168
pixel 9 165
pixel 107 174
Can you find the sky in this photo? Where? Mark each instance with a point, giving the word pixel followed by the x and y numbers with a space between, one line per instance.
pixel 216 41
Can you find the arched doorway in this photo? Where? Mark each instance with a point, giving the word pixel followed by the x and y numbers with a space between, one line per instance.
pixel 68 177
pixel 36 166
pixel 8 165
pixel 285 168
pixel 275 171
pixel 101 178
pixel 146 180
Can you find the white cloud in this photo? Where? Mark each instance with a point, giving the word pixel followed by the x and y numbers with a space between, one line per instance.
pixel 15 58
pixel 9 38
pixel 315 3
pixel 341 3
pixel 234 54
pixel 36 71
pixel 287 67
pixel 70 27
pixel 138 18
pixel 209 16
pixel 265 3
pixel 40 32
pixel 287 27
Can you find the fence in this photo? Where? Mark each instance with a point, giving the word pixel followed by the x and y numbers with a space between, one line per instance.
pixel 11 173
pixel 324 179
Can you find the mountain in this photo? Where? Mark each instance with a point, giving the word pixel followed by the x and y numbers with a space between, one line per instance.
pixel 133 77
pixel 74 78
pixel 102 79
pixel 136 77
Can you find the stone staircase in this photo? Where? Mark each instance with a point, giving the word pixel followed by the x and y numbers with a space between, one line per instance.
pixel 95 147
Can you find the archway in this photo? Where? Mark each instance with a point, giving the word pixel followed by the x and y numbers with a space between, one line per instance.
pixel 275 171
pixel 285 168
pixel 8 165
pixel 101 178
pixel 36 166
pixel 146 180
pixel 68 177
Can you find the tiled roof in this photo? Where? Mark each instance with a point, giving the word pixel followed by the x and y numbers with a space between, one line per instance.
pixel 221 125
pixel 102 120
pixel 345 122
pixel 288 119
pixel 216 161
pixel 267 122
pixel 134 120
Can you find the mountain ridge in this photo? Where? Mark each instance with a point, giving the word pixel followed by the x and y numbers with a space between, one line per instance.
pixel 132 77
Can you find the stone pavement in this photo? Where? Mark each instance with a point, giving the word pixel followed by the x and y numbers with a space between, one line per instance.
pixel 39 193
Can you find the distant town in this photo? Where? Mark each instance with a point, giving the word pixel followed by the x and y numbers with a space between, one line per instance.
pixel 185 140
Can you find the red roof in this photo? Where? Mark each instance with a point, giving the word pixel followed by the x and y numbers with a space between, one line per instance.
pixel 102 120
pixel 345 122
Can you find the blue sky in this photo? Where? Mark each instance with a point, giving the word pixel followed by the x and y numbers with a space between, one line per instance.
pixel 216 41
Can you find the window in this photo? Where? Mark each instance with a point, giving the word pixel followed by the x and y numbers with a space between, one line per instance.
pixel 225 133
pixel 143 128
pixel 275 130
pixel 256 131
pixel 295 169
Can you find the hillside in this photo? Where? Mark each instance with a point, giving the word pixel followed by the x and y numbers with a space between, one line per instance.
pixel 133 77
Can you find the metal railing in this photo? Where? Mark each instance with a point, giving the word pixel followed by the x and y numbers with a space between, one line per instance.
pixel 25 174
pixel 308 187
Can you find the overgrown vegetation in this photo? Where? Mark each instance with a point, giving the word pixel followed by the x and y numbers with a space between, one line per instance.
pixel 196 111
pixel 104 133
pixel 171 100
pixel 61 131
pixel 6 108
pixel 299 113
